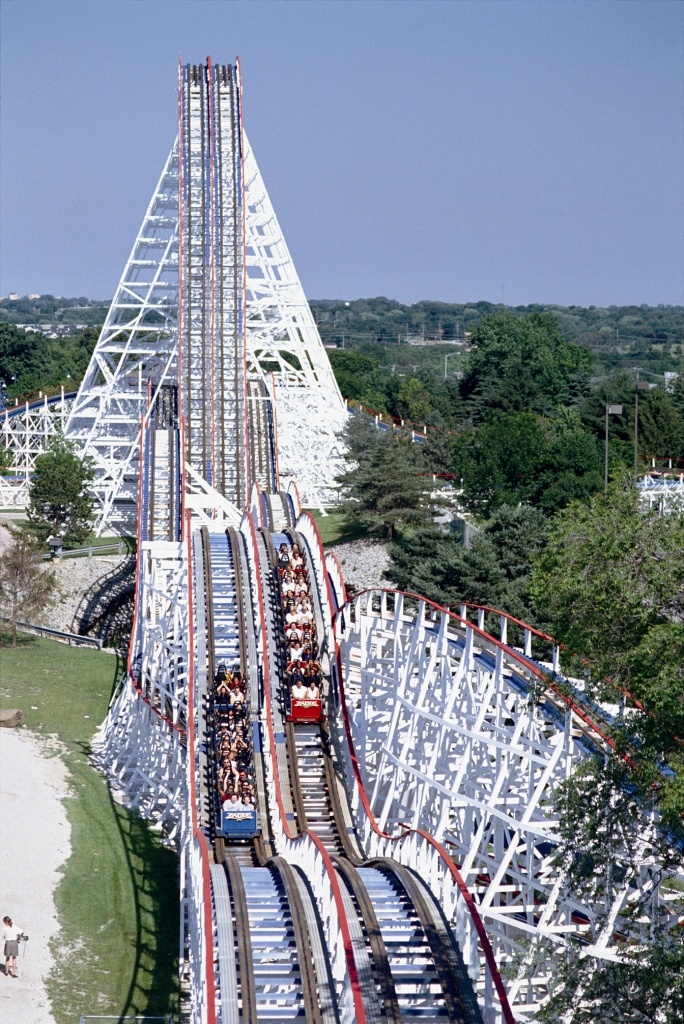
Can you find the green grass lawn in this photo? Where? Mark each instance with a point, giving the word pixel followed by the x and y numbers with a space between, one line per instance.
pixel 118 900
pixel 129 544
pixel 334 529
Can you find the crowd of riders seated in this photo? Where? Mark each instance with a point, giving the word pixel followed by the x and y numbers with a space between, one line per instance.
pixel 303 671
pixel 233 741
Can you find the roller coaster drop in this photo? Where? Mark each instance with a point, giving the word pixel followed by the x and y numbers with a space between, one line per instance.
pixel 395 852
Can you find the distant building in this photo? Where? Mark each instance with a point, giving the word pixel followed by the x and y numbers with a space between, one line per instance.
pixel 52 330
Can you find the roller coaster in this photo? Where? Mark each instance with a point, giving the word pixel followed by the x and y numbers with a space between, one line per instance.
pixel 381 846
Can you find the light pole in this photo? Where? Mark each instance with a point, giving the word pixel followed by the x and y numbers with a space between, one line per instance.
pixel 611 410
pixel 641 385
pixel 448 356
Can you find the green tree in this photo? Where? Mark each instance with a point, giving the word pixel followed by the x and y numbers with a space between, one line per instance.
pixel 522 364
pixel 413 401
pixel 661 432
pixel 645 987
pixel 352 371
pixel 677 394
pixel 383 490
pixel 611 583
pixel 500 461
pixel 572 466
pixel 661 427
pixel 23 357
pixel 495 570
pixel 360 437
pixel 61 501
pixel 438 451
pixel 25 583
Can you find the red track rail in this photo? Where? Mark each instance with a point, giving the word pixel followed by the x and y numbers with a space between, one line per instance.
pixel 522 660
pixel 562 647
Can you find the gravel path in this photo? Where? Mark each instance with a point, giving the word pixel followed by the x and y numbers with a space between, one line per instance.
pixel 74 577
pixel 34 843
pixel 364 563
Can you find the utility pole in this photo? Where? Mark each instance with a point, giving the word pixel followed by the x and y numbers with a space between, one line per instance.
pixel 641 385
pixel 611 410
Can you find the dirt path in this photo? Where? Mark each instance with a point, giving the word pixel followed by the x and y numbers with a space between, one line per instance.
pixel 34 843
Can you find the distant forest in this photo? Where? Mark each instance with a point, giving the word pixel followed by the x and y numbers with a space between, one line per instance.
pixel 51 309
pixel 618 336
pixel 399 341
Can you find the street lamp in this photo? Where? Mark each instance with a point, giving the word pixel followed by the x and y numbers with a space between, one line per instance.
pixel 448 356
pixel 611 410
pixel 641 385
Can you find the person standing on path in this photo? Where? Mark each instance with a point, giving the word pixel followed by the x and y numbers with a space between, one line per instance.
pixel 10 935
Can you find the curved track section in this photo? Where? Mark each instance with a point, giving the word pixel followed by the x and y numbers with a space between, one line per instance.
pixel 24 429
pixel 453 733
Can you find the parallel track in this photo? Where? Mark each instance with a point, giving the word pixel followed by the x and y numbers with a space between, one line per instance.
pixel 412 930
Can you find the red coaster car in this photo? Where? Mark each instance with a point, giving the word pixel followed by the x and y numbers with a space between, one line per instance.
pixel 305 709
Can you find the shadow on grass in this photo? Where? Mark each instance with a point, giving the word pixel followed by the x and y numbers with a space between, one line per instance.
pixel 154 877
pixel 23 639
pixel 153 870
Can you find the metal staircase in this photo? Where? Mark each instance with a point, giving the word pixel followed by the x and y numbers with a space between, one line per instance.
pixel 227 633
pixel 313 785
pixel 275 957
pixel 162 482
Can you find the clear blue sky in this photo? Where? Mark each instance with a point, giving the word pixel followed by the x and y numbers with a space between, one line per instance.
pixel 444 150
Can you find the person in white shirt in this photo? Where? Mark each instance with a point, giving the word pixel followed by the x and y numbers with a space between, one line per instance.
pixel 299 691
pixel 304 610
pixel 293 633
pixel 313 692
pixel 10 934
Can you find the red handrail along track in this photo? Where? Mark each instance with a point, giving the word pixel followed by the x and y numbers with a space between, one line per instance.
pixel 451 867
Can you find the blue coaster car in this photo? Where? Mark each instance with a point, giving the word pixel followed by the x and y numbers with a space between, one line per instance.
pixel 238 823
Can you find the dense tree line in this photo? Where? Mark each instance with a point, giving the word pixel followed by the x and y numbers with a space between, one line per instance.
pixel 598 571
pixel 51 309
pixel 29 361
pixel 618 335
pixel 526 421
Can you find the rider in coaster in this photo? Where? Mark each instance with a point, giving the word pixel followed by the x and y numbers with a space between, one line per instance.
pixel 313 690
pixel 292 615
pixel 299 690
pixel 293 632
pixel 307 653
pixel 283 557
